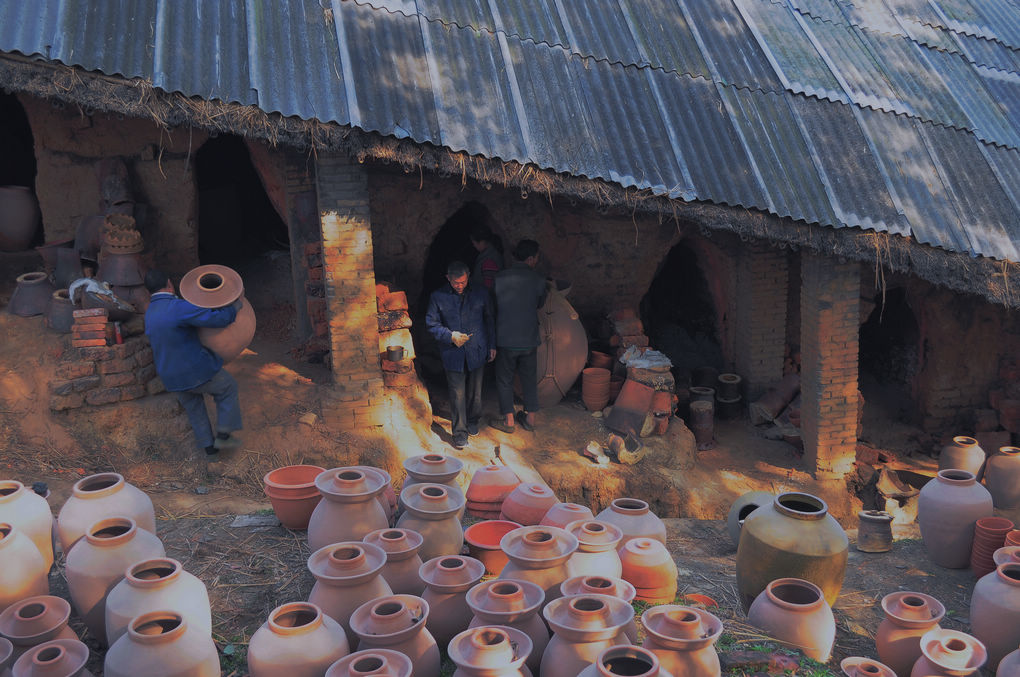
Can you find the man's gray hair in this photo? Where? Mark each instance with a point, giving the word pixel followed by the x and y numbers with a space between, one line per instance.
pixel 457 268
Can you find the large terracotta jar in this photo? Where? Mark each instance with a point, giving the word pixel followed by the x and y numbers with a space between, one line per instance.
pixel 215 286
pixel 346 576
pixel 603 585
pixel 34 621
pixel 56 658
pixel 1010 665
pixel 491 651
pixel 626 661
pixel 399 622
pixel 995 612
pixel 963 453
pixel 293 494
pixel 372 663
pixel 795 537
pixel 859 666
pixel 538 554
pixel 23 571
pixel 432 510
pixel 513 604
pixel 162 644
pixel 1002 475
pixel 596 553
pixel 99 496
pixel 683 638
pixel 97 563
pixel 562 514
pixel 582 625
pixel 350 509
pixel 741 508
pixel 528 503
pixel 649 567
pixel 634 519
pixel 946 653
pixel 489 487
pixel 29 512
pixel 447 580
pixel 297 640
pixel 908 616
pixel 402 561
pixel 794 612
pixel 947 508
pixel 159 584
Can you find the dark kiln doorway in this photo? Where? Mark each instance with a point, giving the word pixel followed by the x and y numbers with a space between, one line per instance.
pixel 453 243
pixel 890 355
pixel 17 159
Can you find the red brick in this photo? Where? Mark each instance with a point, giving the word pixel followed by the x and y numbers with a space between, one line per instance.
pixel 67 370
pixel 395 300
pixel 91 312
pixel 88 343
pixel 132 392
pixel 103 396
pixel 90 322
pixel 116 366
pixel 401 367
pixel 121 379
pixel 63 402
pixel 79 333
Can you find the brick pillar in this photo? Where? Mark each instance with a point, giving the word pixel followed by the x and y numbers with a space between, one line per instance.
pixel 829 301
pixel 762 280
pixel 302 226
pixel 349 274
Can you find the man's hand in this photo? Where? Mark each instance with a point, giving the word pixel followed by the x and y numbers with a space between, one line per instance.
pixel 492 354
pixel 459 338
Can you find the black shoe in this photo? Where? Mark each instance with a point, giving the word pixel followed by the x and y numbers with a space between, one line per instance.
pixel 522 420
pixel 460 440
pixel 500 424
pixel 472 429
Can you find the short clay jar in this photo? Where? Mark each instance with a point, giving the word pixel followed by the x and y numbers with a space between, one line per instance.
pixel 963 453
pixel 874 531
pixel 36 620
pixel 596 553
pixel 447 581
pixel 562 514
pixel 346 576
pixel 859 666
pixel 539 554
pixel 372 663
pixel 949 652
pixel 99 496
pixel 683 638
pixel 582 625
pixel 626 661
pixel 432 468
pixel 350 508
pixel 908 616
pixel 156 584
pixel 402 561
pixel 24 572
pixel 490 651
pixel 635 520
pixel 794 612
pixel 30 513
pixel 297 640
pixel 56 658
pixel 513 604
pixel 528 503
pixel 432 510
pixel 399 622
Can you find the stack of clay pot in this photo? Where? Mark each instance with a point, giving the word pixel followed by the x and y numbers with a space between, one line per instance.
pixel 1002 476
pixel 293 494
pixel 447 581
pixel 989 536
pixel 603 585
pixel 528 503
pixel 350 508
pixel 120 263
pixel 947 509
pixel 514 604
pixel 489 487
pixel 649 567
pixel 214 286
pixel 595 388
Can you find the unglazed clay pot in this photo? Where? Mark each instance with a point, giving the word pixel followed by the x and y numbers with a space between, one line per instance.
pixel 432 510
pixel 949 652
pixel 908 616
pixel 562 514
pixel 582 627
pixel 23 571
pixel 96 497
pixel 538 554
pixel 683 638
pixel 490 485
pixel 857 666
pixel 388 498
pixel 483 540
pixel 1007 554
pixel 874 531
pixel 31 295
pixel 398 622
pixel 947 508
pixel 794 612
pixel 432 469
pixel 512 604
pixel 1010 665
pixel 447 580
pixel 603 585
pixel 741 508
pixel 1002 475
pixel 34 621
pixel 159 584
pixel 795 537
pixel 626 661
pixel 293 494
pixel 60 312
pixel 6 657
pixel 372 663
pixel 402 561
pixel 963 453
pixel 350 509
pixel 596 553
pixel 346 576
pixel 215 286
pixel 634 519
pixel 297 640
pixel 491 651
pixel 56 658
pixel 649 567
pixel 528 503
pixel 97 562
pixel 29 512
pixel 161 644
pixel 995 612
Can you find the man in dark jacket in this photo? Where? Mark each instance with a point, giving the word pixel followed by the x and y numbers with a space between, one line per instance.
pixel 460 319
pixel 519 293
pixel 187 367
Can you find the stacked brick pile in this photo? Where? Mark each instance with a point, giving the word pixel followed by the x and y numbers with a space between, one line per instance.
pixel 91 328
pixel 395 330
pixel 998 426
pixel 95 375
pixel 628 331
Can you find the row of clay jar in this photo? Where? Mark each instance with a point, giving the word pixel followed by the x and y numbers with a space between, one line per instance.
pixel 1000 470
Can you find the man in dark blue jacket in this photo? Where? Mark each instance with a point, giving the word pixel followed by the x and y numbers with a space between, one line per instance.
pixel 187 367
pixel 460 319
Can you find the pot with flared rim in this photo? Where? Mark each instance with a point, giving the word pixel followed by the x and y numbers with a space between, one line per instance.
pixel 349 485
pixel 504 601
pixel 431 501
pixel 683 628
pixel 595 535
pixel 292 481
pixel 450 574
pixel 433 468
pixel 588 618
pixel 955 652
pixel 563 514
pixel 35 620
pixel 393 618
pixel 346 563
pixel 490 649
pixel 398 544
pixel 598 585
pixel 993 526
pixel 58 656
pixel 211 286
pixel 857 666
pixel 1009 554
pixel 538 547
pixel 912 609
pixel 372 663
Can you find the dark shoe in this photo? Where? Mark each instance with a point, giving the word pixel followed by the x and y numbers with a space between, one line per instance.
pixel 472 429
pixel 522 420
pixel 460 440
pixel 500 424
pixel 228 442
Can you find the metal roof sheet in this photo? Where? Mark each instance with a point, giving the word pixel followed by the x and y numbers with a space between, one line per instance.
pixel 734 57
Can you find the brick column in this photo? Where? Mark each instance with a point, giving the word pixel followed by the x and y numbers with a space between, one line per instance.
pixel 829 301
pixel 762 279
pixel 302 226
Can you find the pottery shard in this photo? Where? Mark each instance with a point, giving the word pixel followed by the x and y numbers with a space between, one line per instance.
pixel 394 319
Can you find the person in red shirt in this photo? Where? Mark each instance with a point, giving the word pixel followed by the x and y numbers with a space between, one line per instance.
pixel 489 261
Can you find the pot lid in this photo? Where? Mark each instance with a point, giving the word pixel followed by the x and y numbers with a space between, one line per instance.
pixel 858 666
pixel 350 484
pixel 563 514
pixel 25 622
pixel 598 585
pixel 594 535
pixel 211 286
pixel 373 663
pixel 912 609
pixel 588 618
pixel 681 627
pixel 505 600
pixel 63 656
pixel 397 543
pixel 489 647
pixel 437 468
pixel 538 547
pixel 391 619
pixel 451 573
pixel 346 563
pixel 431 501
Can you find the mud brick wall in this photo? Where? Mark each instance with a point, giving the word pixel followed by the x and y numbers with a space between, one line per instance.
pixel 760 333
pixel 100 375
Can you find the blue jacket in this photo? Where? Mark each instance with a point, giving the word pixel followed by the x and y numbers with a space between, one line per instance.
pixel 170 323
pixel 469 313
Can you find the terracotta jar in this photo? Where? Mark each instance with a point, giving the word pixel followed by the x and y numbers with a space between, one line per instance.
pixel 447 581
pixel 388 498
pixel 31 294
pixel 874 531
pixel 297 640
pixel 432 469
pixel 603 585
pixel 372 663
pixel 949 652
pixel 215 286
pixel 1002 475
pixel 432 510
pixel 60 312
pixel 562 514
pixel 489 486
pixel 582 627
pixel 399 622
pixel 596 553
pixel 947 508
pixel 162 644
pixel 490 651
pixel 97 563
pixel 626 661
pixel 513 604
pixel 346 576
pixel 683 638
pixel 350 509
pixel 963 453
pixel 528 504
pixel 56 658
pixel 538 554
pixel 20 208
pixel 483 540
pixel 857 666
pixel 795 538
pixel 30 513
pixel 34 621
pixel 560 357
pixel 159 584
pixel 634 519
pixel 96 497
pixel 1010 665
pixel 23 571
pixel 293 494
pixel 995 612
pixel 649 567
pixel 741 508
pixel 601 360
pixel 402 561
pixel 794 612
pixel 908 616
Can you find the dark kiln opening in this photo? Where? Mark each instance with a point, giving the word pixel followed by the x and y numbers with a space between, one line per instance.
pixel 889 355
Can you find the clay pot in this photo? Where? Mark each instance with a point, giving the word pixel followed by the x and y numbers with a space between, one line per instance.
pixel 741 508
pixel 989 536
pixel 1008 554
pixel 528 503
pixel 512 604
pixel 703 422
pixel 56 658
pixel 346 576
pixel 561 355
pixel 603 585
pixel 857 666
pixel 20 218
pixel 483 539
pixel 60 312
pixel 949 652
pixel 650 568
pixel 600 360
pixel 634 519
pixel 596 553
pixel 98 496
pixel 23 570
pixel 293 494
pixel 489 486
pixel 490 651
pixel 1010 665
pixel 31 295
pixel 372 663
pixel 796 538
pixel 30 513
pixel 562 514
pixel 402 561
pixel 794 612
pixel 995 612
pixel 874 531
pixel 947 508
pixel 388 498
pixel 447 581
pixel 350 510
pixel 230 341
pixel 683 639
pixel 595 388
pixel 1002 476
pixel 162 644
pixel 702 394
pixel 156 585
pixel 34 621
pixel 432 469
pixel 214 286
pixel 626 660
pixel 297 640
pixel 432 510
pixel 727 386
pixel 583 626
pixel 6 657
pixel 963 453
pixel 399 622
pixel 1013 537
pixel 908 616
pixel 538 554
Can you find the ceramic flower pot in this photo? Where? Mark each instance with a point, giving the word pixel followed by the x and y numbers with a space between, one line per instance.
pixel 372 663
pixel 538 554
pixel 23 571
pixel 347 575
pixel 483 540
pixel 162 644
pixel 447 581
pixel 402 561
pixel 683 638
pixel 995 612
pixel 963 453
pixel 908 616
pixel 215 286
pixel 1002 475
pixel 31 294
pixel 399 622
pixel 490 651
pixel 626 661
pixel 34 621
pixel 293 494
pixel 795 613
pixel 96 497
pixel 857 666
pixel 949 652
pixel 513 604
pixel 947 509
pixel 874 531
pixel 56 658
pixel 582 627
pixel 596 553
pixel 528 503
pixel 297 640
pixel 159 584
pixel 350 509
pixel 648 565
pixel 634 519
pixel 432 510
pixel 562 514
pixel 741 508
pixel 21 214
pixel 603 585
pixel 29 512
